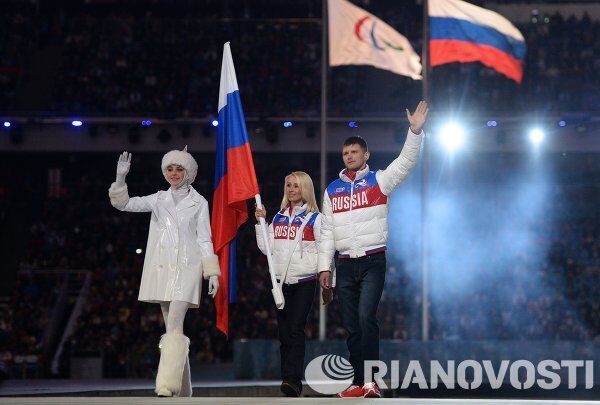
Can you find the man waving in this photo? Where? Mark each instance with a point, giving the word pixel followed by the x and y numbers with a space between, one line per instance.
pixel 354 223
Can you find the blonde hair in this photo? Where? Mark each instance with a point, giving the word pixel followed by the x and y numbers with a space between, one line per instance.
pixel 307 188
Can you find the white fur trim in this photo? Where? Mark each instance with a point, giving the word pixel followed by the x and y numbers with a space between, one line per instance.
pixel 186 380
pixel 119 197
pixel 181 158
pixel 210 266
pixel 174 350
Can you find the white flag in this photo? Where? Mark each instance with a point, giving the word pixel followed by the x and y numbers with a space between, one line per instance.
pixel 357 37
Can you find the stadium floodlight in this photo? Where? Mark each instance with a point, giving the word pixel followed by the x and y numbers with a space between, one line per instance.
pixel 76 123
pixel 452 136
pixel 215 123
pixel 287 124
pixel 7 124
pixel 536 136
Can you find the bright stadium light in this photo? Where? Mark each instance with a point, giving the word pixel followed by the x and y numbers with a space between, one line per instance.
pixel 7 124
pixel 536 136
pixel 138 251
pixel 452 136
pixel 287 124
pixel 76 123
pixel 215 123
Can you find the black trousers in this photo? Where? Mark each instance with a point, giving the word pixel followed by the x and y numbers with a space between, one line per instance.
pixel 291 321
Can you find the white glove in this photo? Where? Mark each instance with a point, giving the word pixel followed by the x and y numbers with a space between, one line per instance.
pixel 123 166
pixel 213 286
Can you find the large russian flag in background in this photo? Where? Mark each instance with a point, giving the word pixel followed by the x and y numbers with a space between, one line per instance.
pixel 462 32
pixel 235 182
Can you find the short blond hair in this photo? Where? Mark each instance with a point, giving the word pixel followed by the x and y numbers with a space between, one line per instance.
pixel 307 190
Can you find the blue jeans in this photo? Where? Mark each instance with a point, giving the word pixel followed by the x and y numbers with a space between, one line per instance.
pixel 359 287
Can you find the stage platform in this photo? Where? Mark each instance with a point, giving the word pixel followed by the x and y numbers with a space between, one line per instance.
pixel 276 401
pixel 95 392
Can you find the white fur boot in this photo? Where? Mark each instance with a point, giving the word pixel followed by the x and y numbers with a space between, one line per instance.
pixel 174 349
pixel 186 380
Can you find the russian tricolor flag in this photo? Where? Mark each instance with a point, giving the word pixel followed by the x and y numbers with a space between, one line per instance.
pixel 235 182
pixel 462 32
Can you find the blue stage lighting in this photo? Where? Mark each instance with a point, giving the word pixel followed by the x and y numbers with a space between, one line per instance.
pixel 562 123
pixel 353 124
pixel 215 123
pixel 452 136
pixel 7 124
pixel 76 123
pixel 536 136
pixel 287 124
pixel 146 123
pixel 492 123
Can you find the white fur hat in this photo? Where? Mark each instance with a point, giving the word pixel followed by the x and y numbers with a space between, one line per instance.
pixel 181 158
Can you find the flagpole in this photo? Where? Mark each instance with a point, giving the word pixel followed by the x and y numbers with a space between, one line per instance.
pixel 324 65
pixel 425 185
pixel 276 290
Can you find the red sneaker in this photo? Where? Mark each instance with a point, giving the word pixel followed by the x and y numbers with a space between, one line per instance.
pixel 371 390
pixel 353 391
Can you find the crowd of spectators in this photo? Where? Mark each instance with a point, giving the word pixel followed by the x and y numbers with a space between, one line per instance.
pixel 167 61
pixel 23 324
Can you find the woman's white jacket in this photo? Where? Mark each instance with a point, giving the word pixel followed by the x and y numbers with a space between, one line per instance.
pixel 300 255
pixel 179 249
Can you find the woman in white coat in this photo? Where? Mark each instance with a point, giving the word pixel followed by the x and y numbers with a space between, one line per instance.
pixel 179 252
pixel 294 235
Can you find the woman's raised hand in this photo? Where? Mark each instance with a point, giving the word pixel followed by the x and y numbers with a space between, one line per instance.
pixel 123 166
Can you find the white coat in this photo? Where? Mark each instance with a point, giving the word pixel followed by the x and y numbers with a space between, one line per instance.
pixel 179 241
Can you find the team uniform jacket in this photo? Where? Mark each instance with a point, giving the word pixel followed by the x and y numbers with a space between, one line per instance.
pixel 355 211
pixel 282 234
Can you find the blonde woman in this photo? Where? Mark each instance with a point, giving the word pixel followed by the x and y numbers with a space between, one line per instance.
pixel 294 236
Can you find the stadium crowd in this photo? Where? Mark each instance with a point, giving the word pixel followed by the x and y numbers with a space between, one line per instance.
pixel 128 61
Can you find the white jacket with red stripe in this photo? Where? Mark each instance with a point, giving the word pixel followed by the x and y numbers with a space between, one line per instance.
pixel 355 211
pixel 282 234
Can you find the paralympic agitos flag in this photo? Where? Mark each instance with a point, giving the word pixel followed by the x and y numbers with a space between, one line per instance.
pixel 357 37
pixel 235 182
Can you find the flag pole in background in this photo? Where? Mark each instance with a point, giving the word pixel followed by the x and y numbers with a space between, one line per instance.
pixel 323 157
pixel 235 182
pixel 425 186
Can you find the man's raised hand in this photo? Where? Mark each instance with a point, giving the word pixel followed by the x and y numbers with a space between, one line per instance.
pixel 418 118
